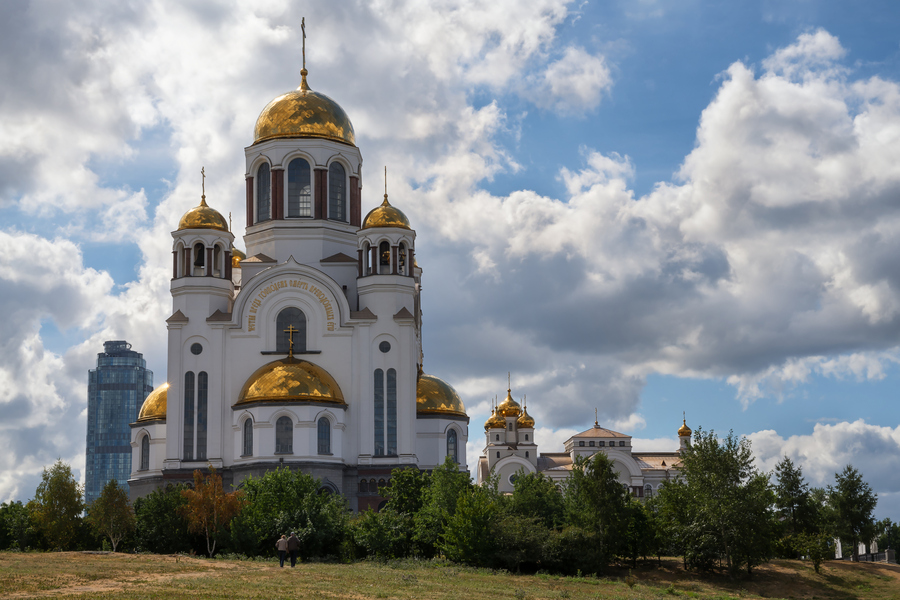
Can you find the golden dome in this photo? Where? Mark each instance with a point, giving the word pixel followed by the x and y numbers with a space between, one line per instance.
pixel 236 257
pixel 509 407
pixel 154 406
pixel 386 215
pixel 290 380
pixel 495 421
pixel 304 113
pixel 526 420
pixel 203 217
pixel 684 430
pixel 436 396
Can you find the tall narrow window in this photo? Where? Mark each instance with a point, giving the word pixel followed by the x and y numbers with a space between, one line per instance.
pixel 199 259
pixel 188 447
pixel 401 259
pixel 392 412
pixel 379 412
pixel 337 193
pixel 367 259
pixel 451 446
pixel 324 436
pixel 286 318
pixel 299 196
pixel 202 393
pixel 248 438
pixel 263 193
pixel 145 453
pixel 284 436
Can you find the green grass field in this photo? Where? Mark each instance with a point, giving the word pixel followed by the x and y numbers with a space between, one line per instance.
pixel 78 575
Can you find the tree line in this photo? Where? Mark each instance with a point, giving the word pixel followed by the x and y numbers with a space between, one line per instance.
pixel 722 513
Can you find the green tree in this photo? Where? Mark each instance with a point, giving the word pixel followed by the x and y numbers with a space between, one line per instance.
pixel 17 529
pixel 467 536
pixel 110 515
pixel 439 502
pixel 720 506
pixel 386 534
pixel 57 506
pixel 853 502
pixel 535 495
pixel 160 523
pixel 888 534
pixel 209 509
pixel 282 501
pixel 794 509
pixel 639 538
pixel 406 492
pixel 596 501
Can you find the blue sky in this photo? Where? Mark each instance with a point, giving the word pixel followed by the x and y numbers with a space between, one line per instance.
pixel 642 207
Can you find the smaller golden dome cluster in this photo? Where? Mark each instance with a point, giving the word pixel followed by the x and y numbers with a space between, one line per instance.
pixel 386 215
pixel 154 406
pixel 509 408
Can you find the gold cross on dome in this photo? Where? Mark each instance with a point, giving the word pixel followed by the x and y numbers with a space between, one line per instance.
pixel 303 29
pixel 203 184
pixel 291 330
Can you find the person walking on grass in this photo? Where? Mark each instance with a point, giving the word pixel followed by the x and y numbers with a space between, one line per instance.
pixel 293 544
pixel 282 546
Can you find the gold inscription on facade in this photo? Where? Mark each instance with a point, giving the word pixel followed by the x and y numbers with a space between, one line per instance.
pixel 277 286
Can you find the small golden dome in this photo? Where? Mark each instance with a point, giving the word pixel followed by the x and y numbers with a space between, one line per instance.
pixel 154 406
pixel 509 407
pixel 386 215
pixel 436 396
pixel 495 421
pixel 203 217
pixel 290 380
pixel 684 430
pixel 304 113
pixel 236 257
pixel 526 421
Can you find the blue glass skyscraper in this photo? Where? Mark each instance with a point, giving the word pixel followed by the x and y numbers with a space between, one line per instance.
pixel 116 390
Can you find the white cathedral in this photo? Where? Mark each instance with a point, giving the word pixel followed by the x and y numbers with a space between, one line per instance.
pixel 307 350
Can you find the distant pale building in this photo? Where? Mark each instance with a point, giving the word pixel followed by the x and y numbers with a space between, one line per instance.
pixel 116 390
pixel 511 449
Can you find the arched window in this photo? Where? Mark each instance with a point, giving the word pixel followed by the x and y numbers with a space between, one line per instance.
pixel 373 487
pixel 299 190
pixel 392 412
pixel 248 438
pixel 367 259
pixel 286 318
pixel 284 436
pixel 217 261
pixel 401 260
pixel 363 486
pixel 324 436
pixel 384 258
pixel 648 490
pixel 381 484
pixel 202 413
pixel 526 437
pixel 188 440
pixel 199 258
pixel 526 454
pixel 498 437
pixel 451 446
pixel 145 453
pixel 498 454
pixel 263 193
pixel 337 193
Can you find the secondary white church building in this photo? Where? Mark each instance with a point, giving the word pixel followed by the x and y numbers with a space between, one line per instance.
pixel 306 350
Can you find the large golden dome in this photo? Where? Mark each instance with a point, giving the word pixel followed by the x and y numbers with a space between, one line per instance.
pixel 290 380
pixel 203 217
pixel 154 406
pixel 386 215
pixel 436 396
pixel 509 407
pixel 304 113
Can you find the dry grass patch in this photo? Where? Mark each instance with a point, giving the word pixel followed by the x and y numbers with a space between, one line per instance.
pixel 77 575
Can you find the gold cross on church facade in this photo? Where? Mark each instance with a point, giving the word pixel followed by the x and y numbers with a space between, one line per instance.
pixel 291 330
